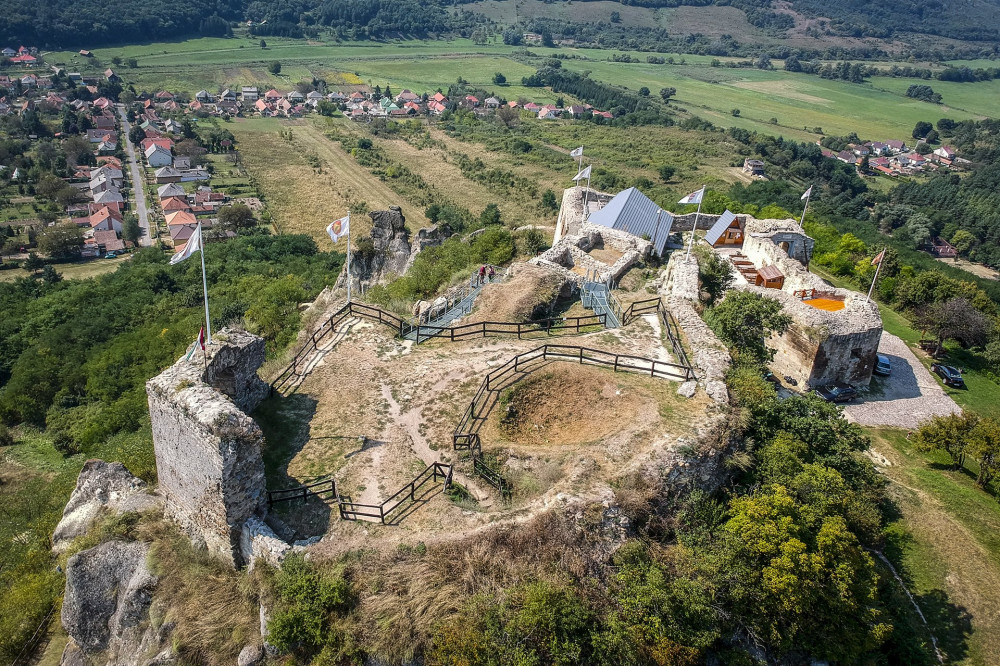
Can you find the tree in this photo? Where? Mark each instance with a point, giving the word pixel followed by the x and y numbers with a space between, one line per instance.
pixel 236 217
pixel 490 215
pixel 921 129
pixel 736 113
pixel 549 200
pixel 274 68
pixel 920 229
pixel 949 433
pixel 963 241
pixel 33 263
pixel 616 17
pixel 132 63
pixel 62 241
pixel 263 44
pixel 131 231
pixel 667 93
pixel 744 320
pixel 499 79
pixel 955 319
pixel 50 275
pixel 716 276
pixel 667 172
pixel 644 92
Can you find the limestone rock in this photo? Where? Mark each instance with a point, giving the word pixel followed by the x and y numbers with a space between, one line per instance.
pixel 258 541
pixel 251 655
pixel 108 592
pixel 687 389
pixel 100 485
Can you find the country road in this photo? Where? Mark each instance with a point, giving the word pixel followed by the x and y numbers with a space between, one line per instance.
pixel 138 187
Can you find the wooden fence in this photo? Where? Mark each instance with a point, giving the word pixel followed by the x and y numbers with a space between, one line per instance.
pixel 303 492
pixel 353 510
pixel 350 510
pixel 403 328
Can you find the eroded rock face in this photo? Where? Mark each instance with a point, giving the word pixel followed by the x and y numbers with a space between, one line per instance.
pixel 108 593
pixel 390 250
pixel 101 485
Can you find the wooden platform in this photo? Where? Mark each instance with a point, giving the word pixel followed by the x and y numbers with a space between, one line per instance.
pixel 828 304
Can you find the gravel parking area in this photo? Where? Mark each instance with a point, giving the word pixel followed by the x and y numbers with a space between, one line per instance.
pixel 905 398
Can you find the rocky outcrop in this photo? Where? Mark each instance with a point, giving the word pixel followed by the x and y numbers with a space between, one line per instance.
pixel 105 609
pixel 100 486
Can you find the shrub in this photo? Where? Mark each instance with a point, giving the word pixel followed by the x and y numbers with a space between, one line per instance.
pixel 305 598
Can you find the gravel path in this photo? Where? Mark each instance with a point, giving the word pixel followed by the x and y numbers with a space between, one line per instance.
pixel 904 399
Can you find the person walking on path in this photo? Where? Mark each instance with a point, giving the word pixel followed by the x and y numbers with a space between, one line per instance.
pixel 482 274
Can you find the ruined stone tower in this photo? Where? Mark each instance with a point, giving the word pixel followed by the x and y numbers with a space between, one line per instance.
pixel 208 450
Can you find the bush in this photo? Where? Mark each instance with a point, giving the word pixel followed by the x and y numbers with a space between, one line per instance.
pixel 305 597
pixel 6 436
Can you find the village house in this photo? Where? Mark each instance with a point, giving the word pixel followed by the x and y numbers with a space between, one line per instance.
pixel 167 174
pixel 896 146
pixel 204 96
pixel 158 156
pixel 947 152
pixel 547 112
pixel 753 167
pixel 249 93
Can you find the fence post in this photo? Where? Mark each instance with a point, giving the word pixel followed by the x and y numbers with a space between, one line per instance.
pixel 305 495
pixel 616 362
pixel 581 355
pixel 487 384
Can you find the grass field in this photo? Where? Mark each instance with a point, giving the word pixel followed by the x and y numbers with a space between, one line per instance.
pixel 951 558
pixel 299 198
pixel 80 270
pixel 798 102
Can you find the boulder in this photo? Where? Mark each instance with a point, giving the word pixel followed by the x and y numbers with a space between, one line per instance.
pixel 101 485
pixel 251 655
pixel 106 603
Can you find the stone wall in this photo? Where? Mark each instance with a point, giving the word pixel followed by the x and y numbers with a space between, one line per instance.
pixel 571 252
pixel 571 214
pixel 208 451
pixel 820 347
pixel 763 239
pixel 707 353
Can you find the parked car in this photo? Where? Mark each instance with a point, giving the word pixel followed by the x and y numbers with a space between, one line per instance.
pixel 833 393
pixel 111 255
pixel 882 365
pixel 949 375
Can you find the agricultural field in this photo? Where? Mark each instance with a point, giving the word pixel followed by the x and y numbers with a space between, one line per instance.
pixel 775 102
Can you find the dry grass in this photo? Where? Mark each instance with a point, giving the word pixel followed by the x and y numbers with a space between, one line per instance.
pixel 214 607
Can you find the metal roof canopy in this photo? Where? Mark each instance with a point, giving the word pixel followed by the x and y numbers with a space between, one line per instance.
pixel 633 212
pixel 720 226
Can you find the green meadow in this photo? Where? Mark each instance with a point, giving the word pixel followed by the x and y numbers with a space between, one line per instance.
pixel 772 101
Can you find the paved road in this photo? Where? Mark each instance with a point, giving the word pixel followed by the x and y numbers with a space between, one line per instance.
pixel 905 398
pixel 137 183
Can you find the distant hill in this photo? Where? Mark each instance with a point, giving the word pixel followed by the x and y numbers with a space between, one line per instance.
pixel 720 27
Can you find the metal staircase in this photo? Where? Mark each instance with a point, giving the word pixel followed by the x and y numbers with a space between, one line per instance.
pixel 597 296
pixel 458 305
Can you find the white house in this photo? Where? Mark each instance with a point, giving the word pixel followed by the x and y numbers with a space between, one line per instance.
pixel 158 156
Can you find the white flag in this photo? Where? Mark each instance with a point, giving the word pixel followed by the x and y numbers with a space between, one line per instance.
pixel 193 245
pixel 339 228
pixel 807 194
pixel 576 152
pixel 693 198
pixel 583 175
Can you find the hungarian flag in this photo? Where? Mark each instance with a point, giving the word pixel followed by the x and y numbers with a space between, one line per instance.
pixel 806 194
pixel 193 245
pixel 201 338
pixel 576 152
pixel 583 175
pixel 878 258
pixel 339 228
pixel 693 198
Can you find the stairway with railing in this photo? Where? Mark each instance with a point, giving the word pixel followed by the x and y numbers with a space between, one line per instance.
pixel 597 296
pixel 457 305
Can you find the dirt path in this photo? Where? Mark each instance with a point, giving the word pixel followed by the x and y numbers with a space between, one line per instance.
pixel 410 421
pixel 354 176
pixel 968 576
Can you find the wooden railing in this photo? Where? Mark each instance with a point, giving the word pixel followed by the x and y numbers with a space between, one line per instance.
pixel 402 327
pixel 303 492
pixel 670 327
pixel 350 510
pixel 353 510
pixel 465 438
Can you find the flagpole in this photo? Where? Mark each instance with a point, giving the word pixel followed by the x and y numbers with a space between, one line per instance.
pixel 695 227
pixel 349 258
pixel 204 286
pixel 878 267
pixel 802 220
pixel 580 161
